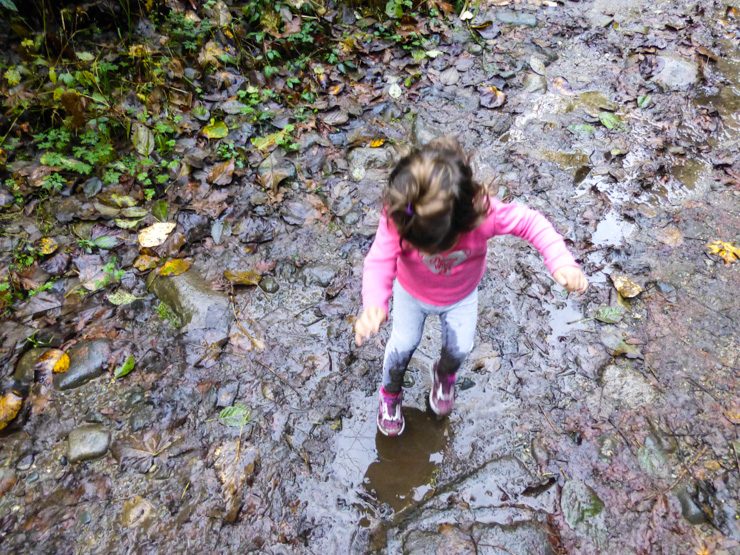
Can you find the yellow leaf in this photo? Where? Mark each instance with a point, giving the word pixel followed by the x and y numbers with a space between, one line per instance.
pixel 145 262
pixel 215 130
pixel 375 143
pixel 10 406
pixel 175 267
pixel 155 234
pixel 47 245
pixel 53 361
pixel 247 277
pixel 726 251
pixel 626 287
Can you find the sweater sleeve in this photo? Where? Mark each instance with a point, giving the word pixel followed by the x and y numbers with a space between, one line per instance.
pixel 513 219
pixel 379 269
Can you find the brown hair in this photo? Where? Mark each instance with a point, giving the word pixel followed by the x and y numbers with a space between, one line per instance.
pixel 432 197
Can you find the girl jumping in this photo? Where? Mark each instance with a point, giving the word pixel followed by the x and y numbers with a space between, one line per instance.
pixel 432 241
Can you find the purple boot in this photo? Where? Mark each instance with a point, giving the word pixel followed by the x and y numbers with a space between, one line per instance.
pixel 442 395
pixel 390 416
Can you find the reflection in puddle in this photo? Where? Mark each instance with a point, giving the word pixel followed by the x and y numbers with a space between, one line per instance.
pixel 565 319
pixel 406 466
pixel 612 230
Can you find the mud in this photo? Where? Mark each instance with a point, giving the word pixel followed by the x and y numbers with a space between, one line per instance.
pixel 554 446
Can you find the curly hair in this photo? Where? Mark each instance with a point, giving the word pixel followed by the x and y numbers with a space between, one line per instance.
pixel 432 198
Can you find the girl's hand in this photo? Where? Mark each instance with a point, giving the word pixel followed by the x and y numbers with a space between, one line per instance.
pixel 368 323
pixel 571 278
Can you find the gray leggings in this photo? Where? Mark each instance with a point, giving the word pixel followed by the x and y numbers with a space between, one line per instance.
pixel 458 332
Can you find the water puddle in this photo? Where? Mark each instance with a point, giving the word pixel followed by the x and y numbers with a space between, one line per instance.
pixel 565 319
pixel 612 231
pixel 690 171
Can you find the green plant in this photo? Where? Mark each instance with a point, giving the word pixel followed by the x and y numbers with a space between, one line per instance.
pixel 168 315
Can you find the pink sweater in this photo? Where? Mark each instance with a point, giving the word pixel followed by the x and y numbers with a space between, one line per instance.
pixel 448 277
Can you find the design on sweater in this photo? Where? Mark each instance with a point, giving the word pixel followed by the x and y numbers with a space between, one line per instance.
pixel 444 263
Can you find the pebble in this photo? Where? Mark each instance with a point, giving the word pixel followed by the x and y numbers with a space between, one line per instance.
pixel 89 441
pixel 677 73
pixel 227 394
pixel 269 284
pixel 319 274
pixel 87 361
pixel 25 462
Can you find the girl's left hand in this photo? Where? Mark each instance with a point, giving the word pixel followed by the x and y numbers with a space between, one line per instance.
pixel 571 278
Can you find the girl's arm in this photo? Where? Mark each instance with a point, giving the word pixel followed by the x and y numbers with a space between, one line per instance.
pixel 379 269
pixel 513 219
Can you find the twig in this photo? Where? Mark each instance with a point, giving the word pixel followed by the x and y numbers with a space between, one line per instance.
pixel 278 376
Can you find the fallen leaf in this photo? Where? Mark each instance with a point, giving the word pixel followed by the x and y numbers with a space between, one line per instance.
pixel 560 85
pixel 143 139
pixel 375 143
pixel 394 91
pixel 726 251
pixel 54 361
pixel 122 297
pixel 582 129
pixel 47 245
pixel 626 287
pixel 247 277
pixel 215 130
pixel 106 242
pixel 223 173
pixel 155 234
pixel 491 97
pixel 160 210
pixel 146 262
pixel 643 101
pixel 127 224
pixel 175 267
pixel 611 121
pixel 609 314
pixel 236 416
pixel 10 406
pixel 125 368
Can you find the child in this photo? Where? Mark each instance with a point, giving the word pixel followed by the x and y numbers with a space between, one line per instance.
pixel 432 240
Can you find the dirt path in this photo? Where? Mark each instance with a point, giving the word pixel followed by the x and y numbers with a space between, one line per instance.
pixel 570 435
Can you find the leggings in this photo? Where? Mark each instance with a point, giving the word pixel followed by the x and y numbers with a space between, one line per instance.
pixel 458 332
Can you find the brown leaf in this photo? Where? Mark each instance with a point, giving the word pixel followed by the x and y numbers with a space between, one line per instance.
pixel 146 262
pixel 223 173
pixel 247 277
pixel 54 361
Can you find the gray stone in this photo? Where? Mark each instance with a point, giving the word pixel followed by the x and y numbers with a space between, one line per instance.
pixel 689 509
pixel 89 441
pixel 510 17
pixel 206 314
pixel 319 274
pixel 652 459
pixel 582 508
pixel 621 388
pixel 449 76
pixel 424 131
pixel 366 157
pixel 534 83
pixel 26 367
pixel 677 73
pixel 298 213
pixel 269 284
pixel 87 361
pixel 227 394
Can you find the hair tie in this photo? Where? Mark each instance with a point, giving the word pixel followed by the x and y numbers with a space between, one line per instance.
pixel 409 209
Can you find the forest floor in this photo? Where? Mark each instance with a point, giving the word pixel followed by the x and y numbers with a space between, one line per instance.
pixel 231 412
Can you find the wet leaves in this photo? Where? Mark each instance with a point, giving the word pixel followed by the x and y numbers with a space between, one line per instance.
pixel 236 416
pixel 175 267
pixel 726 251
pixel 143 139
pixel 160 210
pixel 155 234
pixel 126 368
pixel 47 246
pixel 121 297
pixel 10 406
pixel 246 277
pixel 223 173
pixel 145 262
pixel 609 314
pixel 643 101
pixel 140 454
pixel 626 287
pixel 611 121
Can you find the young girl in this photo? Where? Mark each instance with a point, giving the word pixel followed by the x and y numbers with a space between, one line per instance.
pixel 432 240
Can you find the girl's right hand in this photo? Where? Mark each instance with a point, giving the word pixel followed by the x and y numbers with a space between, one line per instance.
pixel 368 323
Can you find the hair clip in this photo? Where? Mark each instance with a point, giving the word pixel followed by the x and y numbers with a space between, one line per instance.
pixel 409 209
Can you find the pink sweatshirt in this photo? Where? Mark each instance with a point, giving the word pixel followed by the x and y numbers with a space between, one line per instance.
pixel 448 277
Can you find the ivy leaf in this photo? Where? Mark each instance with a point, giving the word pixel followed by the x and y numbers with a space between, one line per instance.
pixel 236 416
pixel 125 368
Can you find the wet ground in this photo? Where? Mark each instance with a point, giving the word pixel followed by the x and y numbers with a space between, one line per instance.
pixel 570 435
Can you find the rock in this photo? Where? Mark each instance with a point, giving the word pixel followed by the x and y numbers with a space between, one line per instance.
pixel 88 360
pixel 319 274
pixel 89 441
pixel 534 83
pixel 25 462
pixel 449 76
pixel 7 480
pixel 424 131
pixel 622 388
pixel 6 199
pixel 274 169
pixel 298 213
pixel 195 226
pixel 689 509
pixel 26 368
pixel 227 394
pixel 269 284
pixel 677 73
pixel 510 17
pixel 579 503
pixel 366 158
pixel 206 314
pixel 652 459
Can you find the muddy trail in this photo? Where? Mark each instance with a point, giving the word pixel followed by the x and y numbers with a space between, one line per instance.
pixel 602 423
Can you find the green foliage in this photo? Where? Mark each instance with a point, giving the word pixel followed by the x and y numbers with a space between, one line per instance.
pixel 168 315
pixel 236 416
